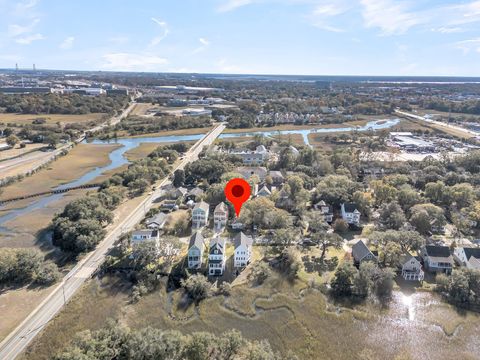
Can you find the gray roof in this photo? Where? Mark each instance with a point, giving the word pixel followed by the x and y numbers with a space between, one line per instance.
pixel 469 252
pixel 196 191
pixel 157 219
pixel 201 205
pixel 474 263
pixel 242 239
pixel 197 240
pixel 217 244
pixel 350 207
pixel 221 207
pixel 437 251
pixel 182 190
pixel 248 171
pixel 406 257
pixel 275 173
pixel 360 250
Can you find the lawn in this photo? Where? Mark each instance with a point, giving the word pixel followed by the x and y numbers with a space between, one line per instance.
pixel 51 119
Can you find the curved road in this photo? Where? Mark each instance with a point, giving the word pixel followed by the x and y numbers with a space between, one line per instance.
pixel 18 339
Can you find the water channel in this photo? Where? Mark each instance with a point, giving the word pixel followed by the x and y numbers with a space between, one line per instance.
pixel 117 156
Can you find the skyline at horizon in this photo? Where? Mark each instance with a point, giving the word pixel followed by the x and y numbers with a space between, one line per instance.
pixel 246 37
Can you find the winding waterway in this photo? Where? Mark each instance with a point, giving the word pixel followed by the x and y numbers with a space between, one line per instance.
pixel 117 156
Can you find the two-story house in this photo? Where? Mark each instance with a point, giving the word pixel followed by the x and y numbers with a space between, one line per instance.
pixel 437 259
pixel 325 209
pixel 411 267
pixel 220 216
pixel 243 250
pixel 361 253
pixel 468 257
pixel 200 214
pixel 216 256
pixel 350 213
pixel 195 251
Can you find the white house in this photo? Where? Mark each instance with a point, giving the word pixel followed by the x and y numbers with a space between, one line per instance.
pixel 256 157
pixel 220 216
pixel 243 250
pixel 350 213
pixel 361 252
pixel 216 256
pixel 325 209
pixel 437 259
pixel 200 214
pixel 262 190
pixel 195 251
pixel 249 171
pixel 157 221
pixel 411 268
pixel 142 236
pixel 465 256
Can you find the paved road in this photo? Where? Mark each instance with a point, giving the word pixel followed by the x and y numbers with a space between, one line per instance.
pixel 18 339
pixel 467 132
pixel 39 158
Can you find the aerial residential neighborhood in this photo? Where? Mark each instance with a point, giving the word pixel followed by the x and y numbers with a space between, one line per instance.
pixel 240 180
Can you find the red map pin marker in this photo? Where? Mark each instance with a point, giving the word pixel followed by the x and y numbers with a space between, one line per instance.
pixel 237 192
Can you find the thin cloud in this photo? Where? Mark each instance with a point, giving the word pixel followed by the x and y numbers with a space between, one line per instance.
pixel 16 30
pixel 391 17
pixel 133 62
pixel 204 45
pixel 468 45
pixel 231 5
pixel 165 31
pixel 67 43
pixel 27 40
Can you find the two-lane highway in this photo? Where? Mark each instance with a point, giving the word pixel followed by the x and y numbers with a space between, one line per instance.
pixel 466 132
pixel 18 339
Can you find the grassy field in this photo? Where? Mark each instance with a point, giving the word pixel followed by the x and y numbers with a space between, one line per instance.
pixel 294 139
pixel 290 315
pixel 23 119
pixel 19 302
pixel 192 131
pixel 80 160
pixel 141 108
pixel 144 149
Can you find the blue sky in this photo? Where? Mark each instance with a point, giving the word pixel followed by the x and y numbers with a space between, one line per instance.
pixel 316 37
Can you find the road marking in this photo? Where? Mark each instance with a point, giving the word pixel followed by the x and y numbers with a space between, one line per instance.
pixel 84 273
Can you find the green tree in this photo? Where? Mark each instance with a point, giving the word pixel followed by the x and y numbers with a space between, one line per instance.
pixel 425 216
pixel 342 282
pixel 12 140
pixel 197 287
pixel 392 216
pixel 178 178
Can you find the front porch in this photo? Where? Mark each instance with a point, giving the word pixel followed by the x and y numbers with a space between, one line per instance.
pixel 413 275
